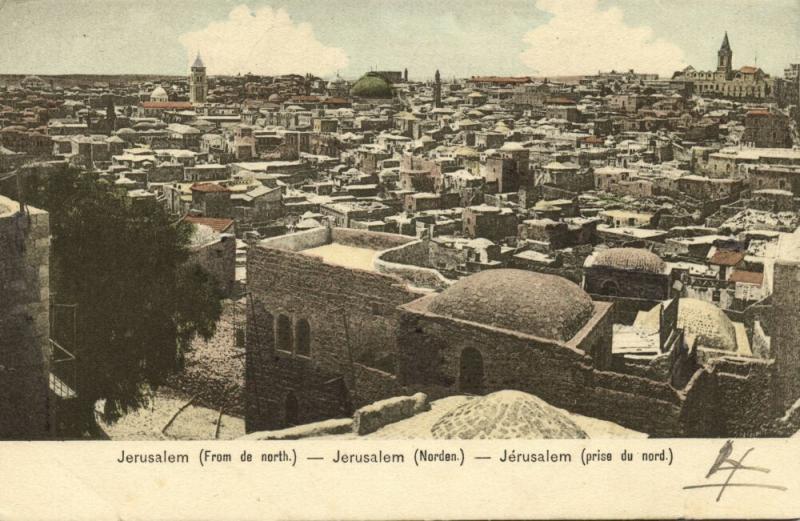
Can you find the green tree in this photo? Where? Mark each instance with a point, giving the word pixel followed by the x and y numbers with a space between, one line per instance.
pixel 139 301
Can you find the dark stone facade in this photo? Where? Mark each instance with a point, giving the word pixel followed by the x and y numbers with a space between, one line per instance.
pixel 25 408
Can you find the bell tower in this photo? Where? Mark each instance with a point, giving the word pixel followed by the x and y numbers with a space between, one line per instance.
pixel 198 82
pixel 725 57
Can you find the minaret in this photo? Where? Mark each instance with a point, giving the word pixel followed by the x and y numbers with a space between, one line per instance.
pixel 198 82
pixel 725 57
pixel 437 90
pixel 405 75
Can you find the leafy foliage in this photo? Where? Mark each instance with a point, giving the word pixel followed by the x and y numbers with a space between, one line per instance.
pixel 139 302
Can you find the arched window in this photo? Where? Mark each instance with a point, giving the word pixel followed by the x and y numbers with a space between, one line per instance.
pixel 302 337
pixel 283 333
pixel 291 410
pixel 470 376
pixel 269 329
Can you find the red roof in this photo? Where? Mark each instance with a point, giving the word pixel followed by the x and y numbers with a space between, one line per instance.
pixel 208 187
pixel 759 112
pixel 559 101
pixel 312 99
pixel 502 79
pixel 748 69
pixel 747 277
pixel 168 105
pixel 218 225
pixel 726 258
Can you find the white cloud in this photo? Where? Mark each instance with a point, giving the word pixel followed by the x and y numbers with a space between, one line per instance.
pixel 581 38
pixel 265 41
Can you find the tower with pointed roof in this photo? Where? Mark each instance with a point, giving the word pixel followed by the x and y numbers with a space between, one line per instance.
pixel 725 58
pixel 198 82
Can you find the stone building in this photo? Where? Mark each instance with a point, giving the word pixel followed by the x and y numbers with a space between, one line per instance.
pixel 508 169
pixel 489 222
pixel 765 129
pixel 211 200
pixel 634 279
pixel 744 83
pixel 26 407
pixel 321 326
pixel 775 178
pixel 214 251
pixel 341 318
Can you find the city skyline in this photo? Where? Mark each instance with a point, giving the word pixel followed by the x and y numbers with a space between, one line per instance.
pixel 540 38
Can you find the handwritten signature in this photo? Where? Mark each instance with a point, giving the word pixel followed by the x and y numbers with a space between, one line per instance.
pixel 725 462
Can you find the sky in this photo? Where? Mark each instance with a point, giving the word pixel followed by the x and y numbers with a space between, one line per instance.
pixel 349 37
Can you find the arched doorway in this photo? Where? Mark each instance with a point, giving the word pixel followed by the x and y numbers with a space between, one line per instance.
pixel 609 287
pixel 292 410
pixel 470 375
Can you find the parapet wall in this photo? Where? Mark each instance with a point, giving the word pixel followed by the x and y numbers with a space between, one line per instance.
pixel 299 241
pixel 24 322
pixel 406 261
pixel 365 239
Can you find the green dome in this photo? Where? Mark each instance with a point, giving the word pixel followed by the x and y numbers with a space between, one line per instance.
pixel 371 86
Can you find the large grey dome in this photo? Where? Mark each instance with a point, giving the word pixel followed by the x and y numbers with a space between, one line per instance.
pixel 533 303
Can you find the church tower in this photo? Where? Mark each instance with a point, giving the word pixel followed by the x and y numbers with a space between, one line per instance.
pixel 725 57
pixel 198 82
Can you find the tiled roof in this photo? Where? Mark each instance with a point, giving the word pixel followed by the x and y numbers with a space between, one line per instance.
pixel 218 225
pixel 747 277
pixel 726 258
pixel 502 79
pixel 209 187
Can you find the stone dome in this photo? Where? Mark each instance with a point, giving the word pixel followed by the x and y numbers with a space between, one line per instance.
pixel 159 94
pixel 506 415
pixel 532 303
pixel 707 323
pixel 371 86
pixel 634 259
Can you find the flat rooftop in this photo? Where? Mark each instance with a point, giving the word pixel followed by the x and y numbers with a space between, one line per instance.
pixel 344 255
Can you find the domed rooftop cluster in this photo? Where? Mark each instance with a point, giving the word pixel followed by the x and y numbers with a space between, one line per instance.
pixel 634 259
pixel 707 323
pixel 372 85
pixel 532 303
pixel 506 415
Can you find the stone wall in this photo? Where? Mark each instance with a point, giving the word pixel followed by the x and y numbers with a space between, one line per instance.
pixel 219 259
pixel 784 329
pixel 351 317
pixel 431 356
pixel 371 240
pixel 730 397
pixel 603 280
pixel 24 323
pixel 625 308
pixel 300 240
